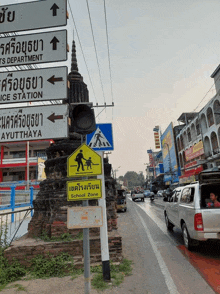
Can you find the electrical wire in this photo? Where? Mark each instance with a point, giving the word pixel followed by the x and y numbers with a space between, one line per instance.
pixel 100 112
pixel 109 62
pixel 204 97
pixel 95 50
pixel 82 51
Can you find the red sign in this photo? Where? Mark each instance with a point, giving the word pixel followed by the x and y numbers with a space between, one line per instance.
pixel 194 151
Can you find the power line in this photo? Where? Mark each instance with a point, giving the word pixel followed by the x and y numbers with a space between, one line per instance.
pixel 82 51
pixel 204 97
pixel 95 49
pixel 109 63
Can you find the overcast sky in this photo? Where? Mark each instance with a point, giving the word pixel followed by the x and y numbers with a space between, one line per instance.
pixel 162 55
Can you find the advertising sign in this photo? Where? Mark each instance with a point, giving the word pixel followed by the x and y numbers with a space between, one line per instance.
pixel 84 217
pixel 33 85
pixel 171 170
pixel 83 162
pixel 194 151
pixel 33 123
pixel 33 48
pixel 41 175
pixel 32 15
pixel 84 190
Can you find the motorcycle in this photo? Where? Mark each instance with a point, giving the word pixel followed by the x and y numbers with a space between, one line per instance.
pixel 152 197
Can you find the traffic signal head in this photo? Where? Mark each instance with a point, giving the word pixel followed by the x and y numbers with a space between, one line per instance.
pixel 82 119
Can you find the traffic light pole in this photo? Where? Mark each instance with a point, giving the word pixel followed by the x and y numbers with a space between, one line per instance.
pixel 104 228
pixel 86 253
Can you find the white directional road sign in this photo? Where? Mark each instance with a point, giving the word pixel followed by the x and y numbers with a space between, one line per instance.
pixel 32 15
pixel 33 85
pixel 33 123
pixel 33 48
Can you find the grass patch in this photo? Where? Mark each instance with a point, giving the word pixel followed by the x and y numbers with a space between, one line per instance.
pixel 118 272
pixel 64 237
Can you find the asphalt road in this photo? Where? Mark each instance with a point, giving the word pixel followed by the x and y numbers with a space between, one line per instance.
pixel 159 265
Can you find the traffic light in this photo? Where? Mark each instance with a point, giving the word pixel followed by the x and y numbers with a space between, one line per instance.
pixel 82 119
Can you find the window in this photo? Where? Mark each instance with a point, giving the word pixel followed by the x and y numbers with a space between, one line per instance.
pixel 198 132
pixel 18 154
pixel 187 195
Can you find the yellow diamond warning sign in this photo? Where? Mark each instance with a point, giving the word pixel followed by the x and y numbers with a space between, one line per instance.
pixel 84 190
pixel 84 162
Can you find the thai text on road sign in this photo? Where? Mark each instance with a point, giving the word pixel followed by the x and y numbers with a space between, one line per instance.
pixel 32 15
pixel 33 48
pixel 84 190
pixel 84 217
pixel 83 162
pixel 33 85
pixel 33 123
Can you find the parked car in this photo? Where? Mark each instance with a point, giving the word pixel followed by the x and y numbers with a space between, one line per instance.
pixel 160 193
pixel 148 193
pixel 192 209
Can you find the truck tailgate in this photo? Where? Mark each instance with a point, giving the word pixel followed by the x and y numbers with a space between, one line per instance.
pixel 211 220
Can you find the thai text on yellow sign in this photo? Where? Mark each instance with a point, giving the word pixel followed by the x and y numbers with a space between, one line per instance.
pixel 84 162
pixel 84 190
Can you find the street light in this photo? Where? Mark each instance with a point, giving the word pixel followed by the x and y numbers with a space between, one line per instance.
pixel 116 171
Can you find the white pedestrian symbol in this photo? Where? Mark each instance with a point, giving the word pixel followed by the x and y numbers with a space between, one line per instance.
pixel 99 140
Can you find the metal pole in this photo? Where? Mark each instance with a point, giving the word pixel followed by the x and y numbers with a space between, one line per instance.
pixel 86 253
pixel 27 165
pixel 104 228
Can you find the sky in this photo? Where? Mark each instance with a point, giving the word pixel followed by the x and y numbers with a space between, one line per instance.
pixel 162 55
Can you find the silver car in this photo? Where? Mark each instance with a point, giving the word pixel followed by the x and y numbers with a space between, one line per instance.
pixel 195 210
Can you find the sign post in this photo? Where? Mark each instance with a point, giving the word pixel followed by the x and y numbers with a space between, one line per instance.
pixel 33 123
pixel 33 85
pixel 33 15
pixel 85 162
pixel 104 230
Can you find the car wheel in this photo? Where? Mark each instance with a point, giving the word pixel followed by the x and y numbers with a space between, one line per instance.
pixel 143 199
pixel 188 242
pixel 125 209
pixel 168 223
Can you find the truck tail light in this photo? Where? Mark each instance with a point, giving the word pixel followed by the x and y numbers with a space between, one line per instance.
pixel 198 222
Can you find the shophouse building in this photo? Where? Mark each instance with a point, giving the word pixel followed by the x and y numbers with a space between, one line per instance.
pixel 198 142
pixel 16 163
pixel 190 147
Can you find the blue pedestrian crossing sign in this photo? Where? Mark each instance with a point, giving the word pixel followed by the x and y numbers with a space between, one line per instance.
pixel 101 139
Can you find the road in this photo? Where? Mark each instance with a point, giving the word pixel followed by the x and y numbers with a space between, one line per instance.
pixel 161 262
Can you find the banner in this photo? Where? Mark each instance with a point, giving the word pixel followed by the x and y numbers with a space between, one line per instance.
pixel 41 166
pixel 194 151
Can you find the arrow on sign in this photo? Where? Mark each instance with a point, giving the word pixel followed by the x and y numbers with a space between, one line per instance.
pixel 53 80
pixel 54 41
pixel 53 117
pixel 54 9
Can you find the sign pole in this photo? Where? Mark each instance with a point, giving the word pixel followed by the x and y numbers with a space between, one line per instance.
pixel 104 228
pixel 86 253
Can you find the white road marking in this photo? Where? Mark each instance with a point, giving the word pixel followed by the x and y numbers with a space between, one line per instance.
pixel 164 270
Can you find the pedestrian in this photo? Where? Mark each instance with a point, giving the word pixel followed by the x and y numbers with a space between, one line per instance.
pixel 214 201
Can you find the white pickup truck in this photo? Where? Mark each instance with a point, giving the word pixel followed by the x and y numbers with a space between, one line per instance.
pixel 137 195
pixel 191 209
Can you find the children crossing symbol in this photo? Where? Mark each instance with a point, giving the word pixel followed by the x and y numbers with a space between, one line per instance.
pixel 99 140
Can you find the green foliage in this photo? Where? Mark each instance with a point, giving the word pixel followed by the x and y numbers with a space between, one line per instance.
pixel 50 267
pixel 134 179
pixel 65 237
pixel 117 274
pixel 10 272
pixel 99 283
pixel 3 236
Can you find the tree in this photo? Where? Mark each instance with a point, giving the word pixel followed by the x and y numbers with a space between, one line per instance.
pixel 134 179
